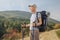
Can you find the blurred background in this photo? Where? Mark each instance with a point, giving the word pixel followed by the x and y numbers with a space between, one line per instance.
pixel 15 12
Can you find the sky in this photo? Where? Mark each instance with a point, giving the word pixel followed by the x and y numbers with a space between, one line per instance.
pixel 52 6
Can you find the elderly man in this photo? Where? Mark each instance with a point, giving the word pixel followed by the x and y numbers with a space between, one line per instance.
pixel 34 31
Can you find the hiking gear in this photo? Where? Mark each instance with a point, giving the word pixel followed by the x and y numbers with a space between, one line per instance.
pixel 23 30
pixel 44 18
pixel 22 34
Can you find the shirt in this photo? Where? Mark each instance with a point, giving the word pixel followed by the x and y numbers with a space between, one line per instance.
pixel 33 19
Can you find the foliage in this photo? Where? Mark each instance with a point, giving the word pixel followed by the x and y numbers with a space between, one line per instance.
pixel 11 23
pixel 50 25
pixel 58 33
pixel 6 24
pixel 57 26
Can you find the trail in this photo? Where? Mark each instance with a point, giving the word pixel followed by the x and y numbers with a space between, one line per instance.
pixel 48 35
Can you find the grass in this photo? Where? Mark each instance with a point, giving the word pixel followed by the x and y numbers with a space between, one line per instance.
pixel 58 33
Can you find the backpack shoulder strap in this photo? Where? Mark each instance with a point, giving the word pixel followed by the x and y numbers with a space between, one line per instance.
pixel 37 15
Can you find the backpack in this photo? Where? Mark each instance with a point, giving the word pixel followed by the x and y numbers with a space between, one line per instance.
pixel 42 27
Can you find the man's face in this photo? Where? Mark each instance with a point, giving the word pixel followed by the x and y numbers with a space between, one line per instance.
pixel 32 9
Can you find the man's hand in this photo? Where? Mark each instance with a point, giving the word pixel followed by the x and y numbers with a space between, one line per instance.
pixel 23 25
pixel 33 24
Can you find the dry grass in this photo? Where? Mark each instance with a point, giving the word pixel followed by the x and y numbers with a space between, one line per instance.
pixel 50 35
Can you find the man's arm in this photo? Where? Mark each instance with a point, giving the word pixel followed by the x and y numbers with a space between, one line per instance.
pixel 27 25
pixel 40 22
pixel 34 24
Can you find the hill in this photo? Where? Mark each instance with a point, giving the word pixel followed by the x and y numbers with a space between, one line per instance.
pixel 21 14
pixel 48 35
pixel 16 14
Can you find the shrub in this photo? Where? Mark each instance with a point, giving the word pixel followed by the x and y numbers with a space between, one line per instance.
pixel 57 26
pixel 58 33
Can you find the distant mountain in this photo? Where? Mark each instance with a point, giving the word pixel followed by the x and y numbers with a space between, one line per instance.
pixel 20 14
pixel 16 14
pixel 53 20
